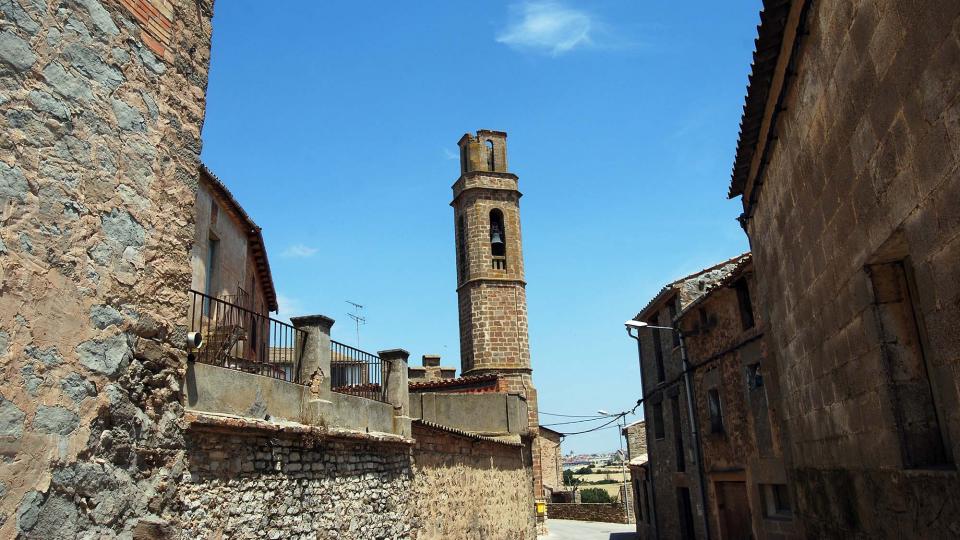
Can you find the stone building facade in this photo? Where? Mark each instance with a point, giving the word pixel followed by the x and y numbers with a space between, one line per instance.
pixel 673 485
pixel 734 384
pixel 551 460
pixel 102 106
pixel 490 280
pixel 431 370
pixel 847 167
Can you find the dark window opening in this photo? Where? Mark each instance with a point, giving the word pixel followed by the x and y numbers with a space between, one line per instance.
pixel 776 501
pixel 461 248
pixel 498 240
pixel 716 412
pixel 491 160
pixel 678 434
pixel 673 306
pixel 914 403
pixel 657 351
pixel 658 430
pixel 746 306
pixel 686 513
pixel 754 377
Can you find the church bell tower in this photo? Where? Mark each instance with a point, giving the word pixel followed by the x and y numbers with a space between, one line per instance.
pixel 490 285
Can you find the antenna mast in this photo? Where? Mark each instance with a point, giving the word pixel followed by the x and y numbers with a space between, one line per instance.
pixel 357 317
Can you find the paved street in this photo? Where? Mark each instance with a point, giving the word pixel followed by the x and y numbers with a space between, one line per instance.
pixel 563 529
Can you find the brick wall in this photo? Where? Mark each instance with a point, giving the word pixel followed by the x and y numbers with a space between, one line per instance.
pixel 604 512
pixel 865 171
pixel 98 172
pixel 467 487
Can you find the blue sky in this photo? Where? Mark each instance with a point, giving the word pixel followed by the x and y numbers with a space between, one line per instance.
pixel 335 124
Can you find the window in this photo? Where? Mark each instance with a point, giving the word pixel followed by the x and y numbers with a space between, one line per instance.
pixel 914 403
pixel 462 248
pixel 686 513
pixel 678 434
pixel 491 161
pixel 776 501
pixel 657 351
pixel 498 240
pixel 746 306
pixel 658 431
pixel 754 377
pixel 716 412
pixel 210 281
pixel 673 315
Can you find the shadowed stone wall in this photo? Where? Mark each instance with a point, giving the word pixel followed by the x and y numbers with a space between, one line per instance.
pixel 855 240
pixel 99 146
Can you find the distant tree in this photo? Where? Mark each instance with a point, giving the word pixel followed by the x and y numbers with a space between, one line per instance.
pixel 595 495
pixel 569 479
pixel 584 470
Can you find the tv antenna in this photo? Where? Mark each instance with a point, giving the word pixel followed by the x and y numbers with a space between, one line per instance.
pixel 357 317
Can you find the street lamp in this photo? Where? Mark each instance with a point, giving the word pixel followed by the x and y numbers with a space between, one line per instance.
pixel 632 324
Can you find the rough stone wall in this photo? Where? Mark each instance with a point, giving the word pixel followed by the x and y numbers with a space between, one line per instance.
pixel 636 435
pixel 722 351
pixel 867 146
pixel 250 485
pixel 494 323
pixel 551 462
pixel 486 488
pixel 99 145
pixel 603 512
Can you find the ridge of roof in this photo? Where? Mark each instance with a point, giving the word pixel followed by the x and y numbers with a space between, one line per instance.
pixel 254 234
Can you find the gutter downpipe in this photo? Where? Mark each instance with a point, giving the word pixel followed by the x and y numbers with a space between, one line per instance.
pixel 694 432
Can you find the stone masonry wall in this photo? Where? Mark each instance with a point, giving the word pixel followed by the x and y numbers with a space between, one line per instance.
pixel 486 488
pixel 865 170
pixel 245 484
pixel 99 146
pixel 603 512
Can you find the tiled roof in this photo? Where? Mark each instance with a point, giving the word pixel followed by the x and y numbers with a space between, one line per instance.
pixel 254 235
pixel 769 41
pixel 671 287
pixel 733 274
pixel 447 383
pixel 467 434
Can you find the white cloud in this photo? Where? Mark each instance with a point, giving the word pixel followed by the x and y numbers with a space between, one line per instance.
pixel 547 26
pixel 450 155
pixel 288 307
pixel 299 251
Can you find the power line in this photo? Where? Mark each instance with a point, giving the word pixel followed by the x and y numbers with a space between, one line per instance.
pixel 612 420
pixel 571 415
pixel 575 421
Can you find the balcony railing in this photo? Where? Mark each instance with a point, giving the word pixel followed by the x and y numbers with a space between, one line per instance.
pixel 356 372
pixel 238 338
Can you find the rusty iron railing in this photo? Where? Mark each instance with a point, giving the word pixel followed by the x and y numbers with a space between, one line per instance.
pixel 356 372
pixel 238 338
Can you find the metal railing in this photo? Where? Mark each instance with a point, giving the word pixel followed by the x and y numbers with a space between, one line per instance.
pixel 356 372
pixel 238 338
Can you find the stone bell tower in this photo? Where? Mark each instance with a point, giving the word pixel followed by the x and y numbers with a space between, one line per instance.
pixel 490 285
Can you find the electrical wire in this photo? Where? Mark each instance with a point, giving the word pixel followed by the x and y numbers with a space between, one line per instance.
pixel 572 415
pixel 615 418
pixel 575 421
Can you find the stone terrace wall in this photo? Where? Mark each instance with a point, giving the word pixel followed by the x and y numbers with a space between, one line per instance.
pixel 605 512
pixel 245 484
pixel 99 152
pixel 486 489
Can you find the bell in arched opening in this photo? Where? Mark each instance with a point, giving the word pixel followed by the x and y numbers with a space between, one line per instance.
pixel 498 241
